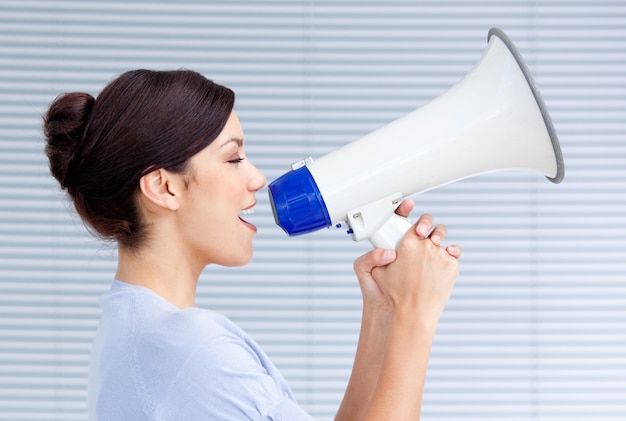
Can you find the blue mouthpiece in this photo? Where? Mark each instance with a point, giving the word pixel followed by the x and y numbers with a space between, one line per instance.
pixel 297 203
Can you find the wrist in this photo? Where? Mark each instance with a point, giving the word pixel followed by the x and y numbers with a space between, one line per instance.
pixel 376 313
pixel 410 320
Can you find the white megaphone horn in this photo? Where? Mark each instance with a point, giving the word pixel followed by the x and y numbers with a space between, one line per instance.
pixel 493 119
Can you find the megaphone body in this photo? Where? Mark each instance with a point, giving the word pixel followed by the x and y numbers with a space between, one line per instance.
pixel 493 119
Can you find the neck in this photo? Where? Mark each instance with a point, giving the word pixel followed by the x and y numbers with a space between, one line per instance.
pixel 164 271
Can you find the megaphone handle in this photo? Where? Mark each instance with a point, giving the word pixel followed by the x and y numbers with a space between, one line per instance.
pixel 392 231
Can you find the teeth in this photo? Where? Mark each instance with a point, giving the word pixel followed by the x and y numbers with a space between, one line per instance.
pixel 247 211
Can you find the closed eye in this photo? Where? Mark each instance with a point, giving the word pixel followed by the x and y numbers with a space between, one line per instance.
pixel 236 160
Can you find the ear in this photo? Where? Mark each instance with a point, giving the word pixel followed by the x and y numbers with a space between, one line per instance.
pixel 161 188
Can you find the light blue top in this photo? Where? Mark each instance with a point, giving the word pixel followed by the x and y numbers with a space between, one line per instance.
pixel 153 361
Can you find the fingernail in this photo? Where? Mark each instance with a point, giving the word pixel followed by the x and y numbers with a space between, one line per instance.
pixel 389 255
pixel 435 239
pixel 422 230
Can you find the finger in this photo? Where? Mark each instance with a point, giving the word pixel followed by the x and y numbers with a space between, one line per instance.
pixel 454 251
pixel 405 208
pixel 438 234
pixel 424 225
pixel 377 257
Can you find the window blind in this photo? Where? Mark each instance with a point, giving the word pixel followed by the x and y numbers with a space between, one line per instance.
pixel 536 326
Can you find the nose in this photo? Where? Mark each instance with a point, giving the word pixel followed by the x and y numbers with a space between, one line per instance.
pixel 257 179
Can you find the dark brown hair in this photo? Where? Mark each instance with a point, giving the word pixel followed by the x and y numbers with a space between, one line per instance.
pixel 99 148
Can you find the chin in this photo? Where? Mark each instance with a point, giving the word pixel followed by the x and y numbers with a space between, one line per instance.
pixel 240 260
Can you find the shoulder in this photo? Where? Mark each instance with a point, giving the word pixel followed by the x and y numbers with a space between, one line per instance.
pixel 188 364
pixel 221 372
pixel 175 336
pixel 143 338
pixel 146 319
pixel 227 377
pixel 210 345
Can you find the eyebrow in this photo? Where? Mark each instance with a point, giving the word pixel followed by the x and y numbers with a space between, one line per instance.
pixel 237 140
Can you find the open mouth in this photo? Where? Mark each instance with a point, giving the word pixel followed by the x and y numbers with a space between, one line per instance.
pixel 245 212
pixel 248 211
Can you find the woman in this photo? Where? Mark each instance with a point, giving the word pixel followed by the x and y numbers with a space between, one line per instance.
pixel 157 164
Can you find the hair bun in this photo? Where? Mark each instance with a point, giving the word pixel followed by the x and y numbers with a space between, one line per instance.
pixel 64 125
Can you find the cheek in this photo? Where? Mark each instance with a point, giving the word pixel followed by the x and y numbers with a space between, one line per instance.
pixel 212 221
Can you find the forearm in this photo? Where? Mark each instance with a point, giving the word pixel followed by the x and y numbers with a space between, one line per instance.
pixel 368 362
pixel 398 393
pixel 387 380
pixel 411 287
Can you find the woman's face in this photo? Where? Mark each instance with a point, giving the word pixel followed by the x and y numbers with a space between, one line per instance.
pixel 222 185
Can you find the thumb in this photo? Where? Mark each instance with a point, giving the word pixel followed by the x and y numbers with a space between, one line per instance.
pixel 364 265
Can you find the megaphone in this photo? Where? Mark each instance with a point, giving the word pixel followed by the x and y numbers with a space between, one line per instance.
pixel 493 119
